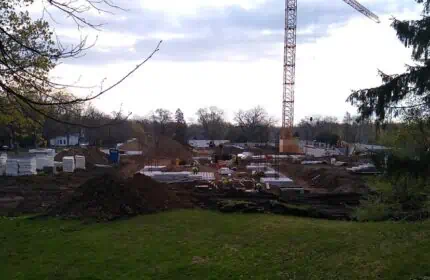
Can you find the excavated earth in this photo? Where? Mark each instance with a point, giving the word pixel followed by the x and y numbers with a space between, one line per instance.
pixel 325 178
pixel 35 194
pixel 105 195
pixel 110 196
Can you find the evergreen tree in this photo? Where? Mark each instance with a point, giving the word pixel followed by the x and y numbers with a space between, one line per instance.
pixel 402 93
pixel 179 116
pixel 181 127
pixel 407 166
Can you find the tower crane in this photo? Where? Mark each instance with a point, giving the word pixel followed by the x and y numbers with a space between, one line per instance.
pixel 286 142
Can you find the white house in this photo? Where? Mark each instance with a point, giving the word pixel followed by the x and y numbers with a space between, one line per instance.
pixel 62 140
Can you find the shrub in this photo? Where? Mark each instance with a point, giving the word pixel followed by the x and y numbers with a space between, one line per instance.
pixel 375 209
pixel 403 199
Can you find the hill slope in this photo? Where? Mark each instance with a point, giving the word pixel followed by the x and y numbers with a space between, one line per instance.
pixel 208 245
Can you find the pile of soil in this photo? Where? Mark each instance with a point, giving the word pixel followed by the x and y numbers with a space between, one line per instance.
pixel 327 178
pixel 165 147
pixel 133 146
pixel 129 166
pixel 92 155
pixel 36 194
pixel 110 196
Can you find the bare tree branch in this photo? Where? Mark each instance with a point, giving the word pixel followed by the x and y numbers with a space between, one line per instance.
pixel 29 50
pixel 81 100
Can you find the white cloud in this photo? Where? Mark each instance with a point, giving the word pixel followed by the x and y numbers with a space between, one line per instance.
pixel 348 58
pixel 186 7
pixel 103 40
pixel 167 35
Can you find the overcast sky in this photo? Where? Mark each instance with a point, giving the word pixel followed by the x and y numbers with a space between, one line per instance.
pixel 229 53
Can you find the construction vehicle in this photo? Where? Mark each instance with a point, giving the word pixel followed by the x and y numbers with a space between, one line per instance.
pixel 287 143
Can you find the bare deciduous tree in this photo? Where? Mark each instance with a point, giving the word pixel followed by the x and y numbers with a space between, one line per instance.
pixel 255 123
pixel 212 120
pixel 161 120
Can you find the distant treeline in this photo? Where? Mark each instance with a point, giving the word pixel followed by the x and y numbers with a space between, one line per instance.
pixel 253 125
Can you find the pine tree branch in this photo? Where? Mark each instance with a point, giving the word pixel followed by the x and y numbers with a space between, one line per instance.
pixel 409 106
pixel 379 100
pixel 415 34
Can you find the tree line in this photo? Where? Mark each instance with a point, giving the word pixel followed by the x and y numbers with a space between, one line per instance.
pixel 256 125
pixel 252 125
pixel 351 129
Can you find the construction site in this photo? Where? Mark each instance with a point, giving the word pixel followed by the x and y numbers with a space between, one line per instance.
pixel 174 176
pixel 146 176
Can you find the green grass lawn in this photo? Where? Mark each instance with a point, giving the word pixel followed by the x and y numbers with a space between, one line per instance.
pixel 209 245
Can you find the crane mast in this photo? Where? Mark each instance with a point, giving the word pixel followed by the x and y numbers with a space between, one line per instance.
pixel 289 62
pixel 287 143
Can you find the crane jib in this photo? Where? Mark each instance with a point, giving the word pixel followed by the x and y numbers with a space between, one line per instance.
pixel 290 57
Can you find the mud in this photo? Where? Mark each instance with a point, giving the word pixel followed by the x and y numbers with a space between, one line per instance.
pixel 35 194
pixel 109 196
pixel 325 178
pixel 166 148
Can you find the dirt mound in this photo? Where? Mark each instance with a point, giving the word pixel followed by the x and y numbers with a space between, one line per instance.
pixel 327 178
pixel 109 197
pixel 157 195
pixel 92 155
pixel 133 146
pixel 129 166
pixel 165 147
pixel 336 180
pixel 36 194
